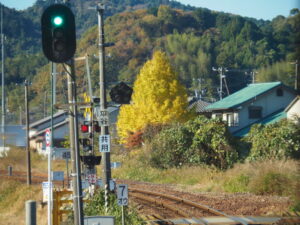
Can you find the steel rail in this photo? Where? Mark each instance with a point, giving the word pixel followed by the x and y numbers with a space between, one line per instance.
pixel 174 198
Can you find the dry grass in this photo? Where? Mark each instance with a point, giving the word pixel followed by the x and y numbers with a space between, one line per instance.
pixel 12 202
pixel 13 195
pixel 266 177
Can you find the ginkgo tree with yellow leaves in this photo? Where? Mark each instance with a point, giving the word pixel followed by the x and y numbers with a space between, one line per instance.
pixel 158 98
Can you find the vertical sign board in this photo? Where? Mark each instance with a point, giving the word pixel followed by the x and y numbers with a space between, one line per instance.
pixel 122 194
pixel 92 178
pixel 45 186
pixel 58 175
pixel 103 116
pixel 48 140
pixel 66 155
pixel 104 143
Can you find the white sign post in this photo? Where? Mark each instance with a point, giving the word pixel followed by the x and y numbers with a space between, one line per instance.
pixel 46 186
pixel 122 195
pixel 48 150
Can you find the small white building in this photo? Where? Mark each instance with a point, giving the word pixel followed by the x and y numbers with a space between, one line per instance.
pixel 293 110
pixel 61 130
pixel 257 103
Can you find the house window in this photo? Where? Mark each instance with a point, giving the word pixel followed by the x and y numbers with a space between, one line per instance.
pixel 279 92
pixel 217 116
pixel 232 119
pixel 255 112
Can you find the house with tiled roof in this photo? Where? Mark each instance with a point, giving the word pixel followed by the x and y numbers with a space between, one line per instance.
pixel 198 106
pixel 257 103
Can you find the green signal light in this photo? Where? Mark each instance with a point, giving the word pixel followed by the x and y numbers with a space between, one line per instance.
pixel 58 21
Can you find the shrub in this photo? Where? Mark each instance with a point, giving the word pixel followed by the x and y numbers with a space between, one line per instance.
pixel 168 148
pixel 280 140
pixel 96 207
pixel 271 183
pixel 212 143
pixel 151 130
pixel 199 141
pixel 134 140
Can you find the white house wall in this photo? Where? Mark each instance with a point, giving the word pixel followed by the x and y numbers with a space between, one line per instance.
pixel 294 110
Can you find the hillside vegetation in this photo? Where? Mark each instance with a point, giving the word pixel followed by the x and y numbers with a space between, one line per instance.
pixel 194 39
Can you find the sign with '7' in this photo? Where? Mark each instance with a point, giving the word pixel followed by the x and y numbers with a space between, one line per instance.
pixel 122 194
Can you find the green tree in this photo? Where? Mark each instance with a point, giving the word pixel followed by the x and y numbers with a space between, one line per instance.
pixel 158 98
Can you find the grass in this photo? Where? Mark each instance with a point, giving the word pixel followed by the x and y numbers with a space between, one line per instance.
pixel 264 178
pixel 12 202
pixel 13 194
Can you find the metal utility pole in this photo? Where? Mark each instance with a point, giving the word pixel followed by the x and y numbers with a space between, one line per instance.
pixel 221 71
pixel 74 145
pixel 297 85
pixel 103 101
pixel 3 82
pixel 253 76
pixel 27 134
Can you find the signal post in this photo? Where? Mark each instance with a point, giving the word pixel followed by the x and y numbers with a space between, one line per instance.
pixel 103 101
pixel 59 46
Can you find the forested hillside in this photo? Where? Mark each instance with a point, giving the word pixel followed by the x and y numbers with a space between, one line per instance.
pixel 195 40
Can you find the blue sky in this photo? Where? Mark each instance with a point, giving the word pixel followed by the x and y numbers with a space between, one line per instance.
pixel 260 9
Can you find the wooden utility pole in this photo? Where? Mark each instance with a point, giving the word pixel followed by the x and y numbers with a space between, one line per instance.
pixel 27 134
pixel 297 85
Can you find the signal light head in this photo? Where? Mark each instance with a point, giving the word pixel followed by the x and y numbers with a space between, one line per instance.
pixel 84 128
pixel 121 93
pixel 58 21
pixel 58 33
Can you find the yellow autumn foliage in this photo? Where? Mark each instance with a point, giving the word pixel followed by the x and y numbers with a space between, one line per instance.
pixel 158 98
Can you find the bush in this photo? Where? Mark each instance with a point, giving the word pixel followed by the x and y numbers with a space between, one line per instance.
pixel 237 184
pixel 169 147
pixel 134 140
pixel 151 130
pixel 212 143
pixel 280 140
pixel 199 141
pixel 96 207
pixel 271 183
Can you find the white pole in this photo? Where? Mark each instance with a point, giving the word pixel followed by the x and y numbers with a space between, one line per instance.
pixel 53 77
pixel 49 186
pixel 123 216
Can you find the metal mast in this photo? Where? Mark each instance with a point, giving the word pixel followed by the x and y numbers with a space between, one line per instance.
pixel 3 92
pixel 103 101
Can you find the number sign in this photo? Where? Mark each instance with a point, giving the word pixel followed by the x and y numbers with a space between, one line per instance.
pixel 122 193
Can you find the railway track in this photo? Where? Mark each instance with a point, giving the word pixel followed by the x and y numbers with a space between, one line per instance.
pixel 159 206
pixel 170 206
pixel 190 212
pixel 178 206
